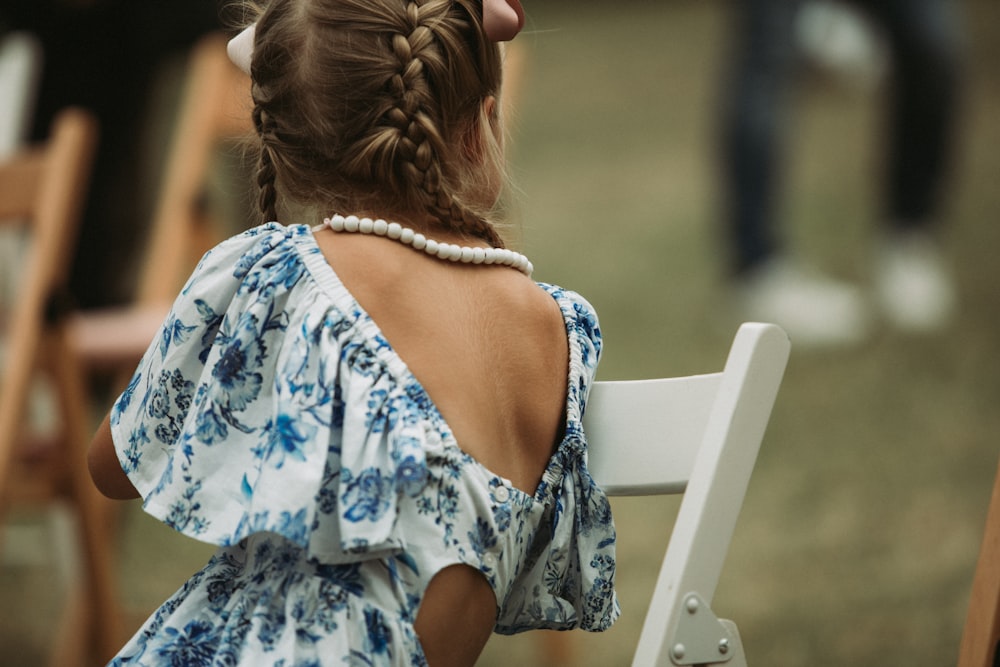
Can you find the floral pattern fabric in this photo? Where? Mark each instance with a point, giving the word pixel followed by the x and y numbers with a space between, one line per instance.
pixel 272 418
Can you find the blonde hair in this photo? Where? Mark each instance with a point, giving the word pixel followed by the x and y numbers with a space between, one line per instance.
pixel 375 106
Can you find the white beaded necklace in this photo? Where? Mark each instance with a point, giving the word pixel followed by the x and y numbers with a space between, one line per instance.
pixel 446 251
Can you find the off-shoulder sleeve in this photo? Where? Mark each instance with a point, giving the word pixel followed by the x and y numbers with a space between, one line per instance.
pixel 234 422
pixel 569 578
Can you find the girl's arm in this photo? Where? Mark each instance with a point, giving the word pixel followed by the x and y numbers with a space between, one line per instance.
pixel 105 470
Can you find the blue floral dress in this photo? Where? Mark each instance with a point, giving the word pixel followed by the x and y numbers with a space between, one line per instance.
pixel 272 418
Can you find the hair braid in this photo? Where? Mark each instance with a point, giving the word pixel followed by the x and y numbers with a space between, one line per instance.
pixel 267 197
pixel 421 145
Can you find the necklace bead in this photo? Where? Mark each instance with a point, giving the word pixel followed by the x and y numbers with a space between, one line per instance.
pixel 446 251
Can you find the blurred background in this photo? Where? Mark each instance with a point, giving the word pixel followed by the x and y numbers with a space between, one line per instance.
pixel 858 538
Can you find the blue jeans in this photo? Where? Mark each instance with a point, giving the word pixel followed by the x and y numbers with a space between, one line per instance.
pixel 924 42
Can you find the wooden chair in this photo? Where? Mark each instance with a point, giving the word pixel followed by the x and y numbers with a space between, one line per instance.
pixel 215 107
pixel 699 436
pixel 980 645
pixel 42 191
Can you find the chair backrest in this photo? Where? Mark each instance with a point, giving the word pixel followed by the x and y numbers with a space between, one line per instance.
pixel 216 106
pixel 980 645
pixel 699 436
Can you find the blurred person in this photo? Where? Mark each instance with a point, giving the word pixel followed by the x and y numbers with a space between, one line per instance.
pixel 105 55
pixel 913 288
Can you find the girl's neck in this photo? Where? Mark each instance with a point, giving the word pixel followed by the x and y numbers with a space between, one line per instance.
pixel 427 225
pixel 440 247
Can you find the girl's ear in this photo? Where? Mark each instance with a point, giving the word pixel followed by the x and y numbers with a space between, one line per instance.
pixel 474 135
pixel 482 148
pixel 490 106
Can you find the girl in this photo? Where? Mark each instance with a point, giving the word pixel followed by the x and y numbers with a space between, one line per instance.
pixel 376 419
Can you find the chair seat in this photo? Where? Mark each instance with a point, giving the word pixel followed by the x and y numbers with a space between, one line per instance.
pixel 114 338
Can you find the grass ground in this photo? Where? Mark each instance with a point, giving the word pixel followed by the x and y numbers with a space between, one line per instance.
pixel 860 530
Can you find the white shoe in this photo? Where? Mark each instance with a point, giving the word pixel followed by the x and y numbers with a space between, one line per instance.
pixel 914 289
pixel 814 310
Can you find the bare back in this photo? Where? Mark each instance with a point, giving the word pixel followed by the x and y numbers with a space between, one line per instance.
pixel 490 348
pixel 486 342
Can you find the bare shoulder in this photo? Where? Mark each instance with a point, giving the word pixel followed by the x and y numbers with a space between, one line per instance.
pixel 393 282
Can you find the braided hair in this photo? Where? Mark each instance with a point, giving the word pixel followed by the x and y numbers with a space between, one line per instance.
pixel 375 106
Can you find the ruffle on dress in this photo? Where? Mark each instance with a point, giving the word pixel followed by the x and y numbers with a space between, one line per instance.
pixel 568 581
pixel 233 423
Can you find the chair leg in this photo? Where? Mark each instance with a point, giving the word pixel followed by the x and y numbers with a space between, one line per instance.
pixel 72 646
pixel 103 613
pixel 981 638
pixel 557 649
pixel 86 636
pixel 101 604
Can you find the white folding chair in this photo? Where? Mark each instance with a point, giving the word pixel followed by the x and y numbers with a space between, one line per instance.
pixel 699 436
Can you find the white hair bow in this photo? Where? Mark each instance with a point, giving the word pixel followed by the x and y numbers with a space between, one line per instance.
pixel 240 48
